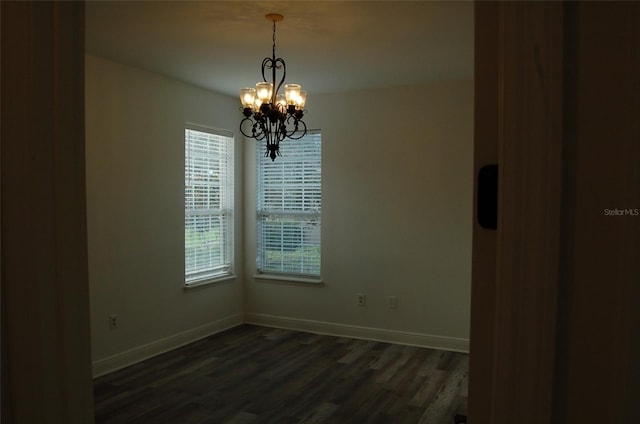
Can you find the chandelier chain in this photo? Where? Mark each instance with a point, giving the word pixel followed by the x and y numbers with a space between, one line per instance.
pixel 274 39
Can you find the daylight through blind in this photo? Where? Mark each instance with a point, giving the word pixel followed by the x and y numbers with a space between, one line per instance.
pixel 289 200
pixel 208 195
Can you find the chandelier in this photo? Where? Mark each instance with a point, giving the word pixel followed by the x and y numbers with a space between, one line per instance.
pixel 268 115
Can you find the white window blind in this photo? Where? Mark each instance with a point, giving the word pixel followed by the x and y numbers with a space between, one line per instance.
pixel 208 200
pixel 289 199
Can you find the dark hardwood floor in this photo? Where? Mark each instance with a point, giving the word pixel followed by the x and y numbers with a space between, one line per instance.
pixel 252 374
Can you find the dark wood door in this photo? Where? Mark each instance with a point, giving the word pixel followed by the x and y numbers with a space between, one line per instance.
pixel 555 288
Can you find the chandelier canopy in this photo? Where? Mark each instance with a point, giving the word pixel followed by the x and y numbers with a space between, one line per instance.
pixel 268 115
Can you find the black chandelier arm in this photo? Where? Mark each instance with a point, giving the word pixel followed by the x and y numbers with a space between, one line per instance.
pixel 269 63
pixel 300 128
pixel 275 122
pixel 258 131
pixel 243 123
pixel 284 74
pixel 274 63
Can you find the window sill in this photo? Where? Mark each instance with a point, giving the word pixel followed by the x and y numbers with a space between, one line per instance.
pixel 288 279
pixel 209 281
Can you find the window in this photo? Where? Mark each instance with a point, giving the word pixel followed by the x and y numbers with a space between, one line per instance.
pixel 289 202
pixel 208 204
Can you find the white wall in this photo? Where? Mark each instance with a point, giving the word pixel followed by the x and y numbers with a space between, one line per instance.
pixel 397 192
pixel 135 211
pixel 396 219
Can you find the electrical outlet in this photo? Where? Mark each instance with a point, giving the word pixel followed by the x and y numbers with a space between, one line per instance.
pixel 393 302
pixel 113 322
pixel 361 299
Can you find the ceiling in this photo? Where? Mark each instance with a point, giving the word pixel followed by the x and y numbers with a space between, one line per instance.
pixel 328 46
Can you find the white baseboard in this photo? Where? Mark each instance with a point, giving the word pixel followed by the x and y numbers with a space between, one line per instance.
pixel 124 359
pixel 140 353
pixel 401 337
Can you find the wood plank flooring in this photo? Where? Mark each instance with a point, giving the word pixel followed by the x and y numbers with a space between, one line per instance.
pixel 252 374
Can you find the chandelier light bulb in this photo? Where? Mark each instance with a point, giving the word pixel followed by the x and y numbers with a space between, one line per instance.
pixel 302 99
pixel 248 97
pixel 264 91
pixel 292 93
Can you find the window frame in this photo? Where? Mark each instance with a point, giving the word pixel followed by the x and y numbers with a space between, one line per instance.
pixel 305 216
pixel 225 269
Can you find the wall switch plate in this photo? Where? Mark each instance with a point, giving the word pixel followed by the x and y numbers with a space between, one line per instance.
pixel 113 322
